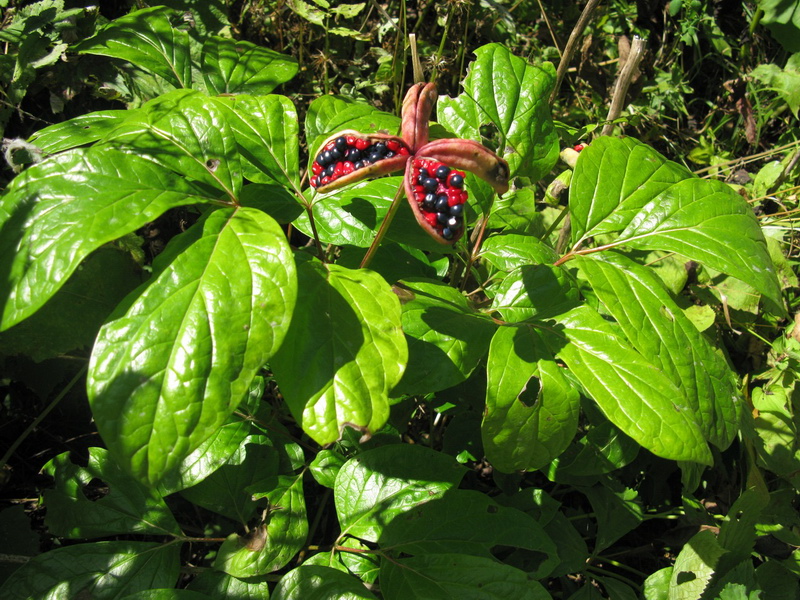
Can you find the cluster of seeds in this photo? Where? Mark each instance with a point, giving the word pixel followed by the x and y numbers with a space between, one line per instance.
pixel 440 194
pixel 349 153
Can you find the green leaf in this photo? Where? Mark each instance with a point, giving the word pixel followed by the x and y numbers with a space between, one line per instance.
pixel 344 352
pixel 270 546
pixel 100 570
pixel 326 466
pixel 446 337
pixel 656 586
pixel 378 485
pixel 150 40
pixel 786 81
pixel 616 510
pixel 267 136
pixel 73 316
pixel 659 330
pixel 509 251
pixel 239 67
pixel 467 522
pixel 695 566
pixel 57 212
pixel 167 594
pixel 613 180
pixel 632 392
pixel 531 409
pixel 274 200
pixel 316 582
pixel 187 132
pixel 101 500
pixel 222 586
pixel 329 114
pixel 538 290
pixel 457 576
pixel 782 18
pixel 225 491
pixel 505 91
pixel 706 221
pixel 167 373
pixel 79 131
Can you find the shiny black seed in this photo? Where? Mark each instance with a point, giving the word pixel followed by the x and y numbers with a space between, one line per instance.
pixel 456 180
pixel 389 154
pixel 442 217
pixel 329 170
pixel 423 173
pixel 380 148
pixel 428 205
pixel 441 204
pixel 341 144
pixel 447 233
pixel 374 157
pixel 353 154
pixel 454 223
pixel 442 172
pixel 359 164
pixel 430 184
pixel 457 210
pixel 323 160
pixel 336 154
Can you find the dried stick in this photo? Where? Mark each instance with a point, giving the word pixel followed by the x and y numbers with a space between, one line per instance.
pixel 572 44
pixel 623 83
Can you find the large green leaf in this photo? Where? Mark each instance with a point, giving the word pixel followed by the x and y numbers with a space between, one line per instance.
pixel 695 566
pixel 149 39
pixel 78 131
pixel 239 67
pixel 316 582
pixel 509 251
pixel 446 337
pixel 266 132
pixel 185 131
pixel 614 178
pixel 706 221
pixel 376 486
pixel 344 353
pixel 222 586
pixel 101 500
pixel 101 571
pixel 537 290
pixel 531 409
pixel 505 91
pixel 57 212
pixel 466 522
pixel 633 393
pixel 271 545
pixel 660 330
pixel 167 373
pixel 457 577
pixel 782 18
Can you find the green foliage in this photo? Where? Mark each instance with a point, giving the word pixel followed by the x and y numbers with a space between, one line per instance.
pixel 253 382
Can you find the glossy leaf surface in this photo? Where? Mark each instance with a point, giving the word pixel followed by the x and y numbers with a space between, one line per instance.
pixel 446 337
pixel 531 409
pixel 101 500
pixel 506 92
pixel 167 373
pixel 222 586
pixel 81 130
pixel 344 352
pixel 316 582
pixel 660 330
pixel 57 212
pixel 239 67
pixel 632 392
pixel 100 570
pixel 148 39
pixel 457 576
pixel 374 487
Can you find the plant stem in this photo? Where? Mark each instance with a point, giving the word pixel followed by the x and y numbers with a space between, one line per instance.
pixel 387 220
pixel 623 83
pixel 40 418
pixel 572 45
pixel 320 251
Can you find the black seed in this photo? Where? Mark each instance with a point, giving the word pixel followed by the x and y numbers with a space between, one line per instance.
pixel 329 170
pixel 353 154
pixel 389 154
pixel 314 181
pixel 429 206
pixel 374 157
pixel 341 144
pixel 447 233
pixel 322 161
pixel 380 148
pixel 456 180
pixel 430 197
pixel 442 217
pixel 336 154
pixel 457 210
pixel 423 173
pixel 359 164
pixel 430 184
pixel 441 204
pixel 454 223
pixel 442 172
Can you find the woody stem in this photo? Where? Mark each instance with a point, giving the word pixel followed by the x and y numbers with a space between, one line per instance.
pixel 387 220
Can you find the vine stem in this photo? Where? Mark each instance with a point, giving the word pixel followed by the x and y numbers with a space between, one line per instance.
pixel 572 45
pixel 41 417
pixel 387 220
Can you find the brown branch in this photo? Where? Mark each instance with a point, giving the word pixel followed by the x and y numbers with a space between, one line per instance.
pixel 623 82
pixel 572 45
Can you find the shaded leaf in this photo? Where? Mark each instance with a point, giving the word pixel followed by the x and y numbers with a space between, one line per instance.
pixel 79 131
pixel 316 582
pixel 239 67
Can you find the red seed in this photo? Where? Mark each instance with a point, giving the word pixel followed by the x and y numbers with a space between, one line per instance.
pixel 316 168
pixel 431 218
pixel 362 144
pixel 325 181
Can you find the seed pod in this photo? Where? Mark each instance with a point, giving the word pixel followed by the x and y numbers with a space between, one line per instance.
pixel 417 107
pixel 469 155
pixel 437 203
pixel 348 156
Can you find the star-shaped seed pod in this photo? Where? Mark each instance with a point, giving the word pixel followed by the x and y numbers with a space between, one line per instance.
pixel 434 171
